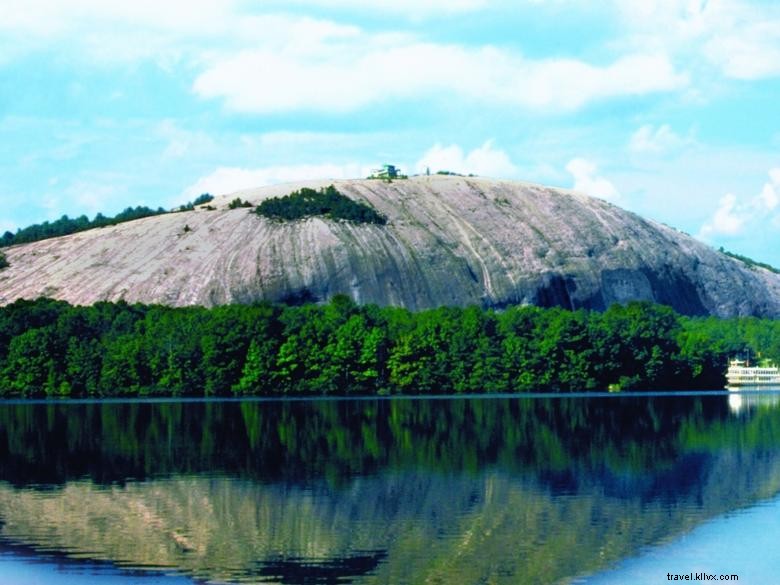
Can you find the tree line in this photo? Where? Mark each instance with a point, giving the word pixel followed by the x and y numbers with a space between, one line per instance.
pixel 66 225
pixel 749 262
pixel 50 348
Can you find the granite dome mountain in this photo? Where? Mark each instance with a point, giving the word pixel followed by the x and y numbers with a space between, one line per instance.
pixel 448 240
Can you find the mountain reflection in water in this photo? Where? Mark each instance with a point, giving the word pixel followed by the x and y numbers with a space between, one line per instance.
pixel 500 490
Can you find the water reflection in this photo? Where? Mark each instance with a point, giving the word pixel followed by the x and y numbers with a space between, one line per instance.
pixel 400 491
pixel 20 566
pixel 752 399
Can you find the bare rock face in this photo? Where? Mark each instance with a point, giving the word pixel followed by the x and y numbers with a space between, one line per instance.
pixel 448 241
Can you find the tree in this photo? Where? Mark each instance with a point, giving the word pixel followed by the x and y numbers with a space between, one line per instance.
pixel 327 202
pixel 82 366
pixel 238 203
pixel 203 199
pixel 30 368
pixel 412 363
pixel 635 346
pixel 123 369
pixel 65 225
pixel 521 367
pixel 256 373
pixel 171 343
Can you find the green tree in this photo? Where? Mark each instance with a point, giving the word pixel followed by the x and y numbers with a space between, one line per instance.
pixel 171 341
pixel 30 368
pixel 521 366
pixel 327 202
pixel 635 346
pixel 124 369
pixel 565 351
pixel 83 363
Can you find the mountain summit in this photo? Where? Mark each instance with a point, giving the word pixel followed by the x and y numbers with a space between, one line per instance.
pixel 448 240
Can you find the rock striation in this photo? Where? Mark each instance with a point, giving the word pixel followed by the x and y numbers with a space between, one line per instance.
pixel 448 241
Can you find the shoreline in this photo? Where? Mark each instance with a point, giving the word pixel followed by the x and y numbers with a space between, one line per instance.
pixel 339 398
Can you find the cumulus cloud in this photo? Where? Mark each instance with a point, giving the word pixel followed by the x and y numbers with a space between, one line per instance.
pixel 649 139
pixel 752 52
pixel 263 62
pixel 741 39
pixel 728 220
pixel 485 161
pixel 733 217
pixel 354 73
pixel 588 181
pixel 225 180
pixel 169 33
pixel 770 194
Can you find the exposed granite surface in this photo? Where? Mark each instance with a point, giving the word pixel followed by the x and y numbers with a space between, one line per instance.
pixel 448 241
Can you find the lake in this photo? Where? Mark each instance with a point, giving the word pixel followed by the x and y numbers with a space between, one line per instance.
pixel 543 489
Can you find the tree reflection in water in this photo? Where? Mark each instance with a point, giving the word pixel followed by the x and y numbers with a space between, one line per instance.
pixel 532 490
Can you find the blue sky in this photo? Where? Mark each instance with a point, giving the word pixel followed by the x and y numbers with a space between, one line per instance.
pixel 667 108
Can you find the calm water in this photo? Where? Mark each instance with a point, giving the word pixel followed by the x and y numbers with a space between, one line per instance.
pixel 492 490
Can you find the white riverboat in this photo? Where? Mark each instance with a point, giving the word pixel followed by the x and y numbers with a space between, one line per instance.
pixel 742 375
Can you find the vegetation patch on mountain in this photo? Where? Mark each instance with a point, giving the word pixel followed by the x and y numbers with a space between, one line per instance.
pixel 749 262
pixel 66 225
pixel 238 203
pixel 199 200
pixel 327 202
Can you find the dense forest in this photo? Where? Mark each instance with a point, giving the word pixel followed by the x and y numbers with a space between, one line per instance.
pixel 50 348
pixel 327 202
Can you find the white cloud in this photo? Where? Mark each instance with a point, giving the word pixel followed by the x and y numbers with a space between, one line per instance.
pixel 354 73
pixel 171 33
pixel 728 219
pixel 52 18
pixel 226 180
pixel 740 39
pixel 588 181
pixel 732 217
pixel 109 32
pixel 270 62
pixel 411 8
pixel 485 161
pixel 769 198
pixel 748 47
pixel 651 140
